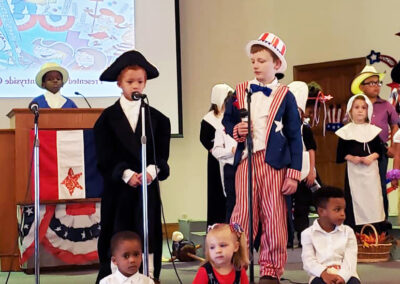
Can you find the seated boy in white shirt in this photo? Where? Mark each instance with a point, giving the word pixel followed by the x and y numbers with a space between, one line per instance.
pixel 126 250
pixel 329 252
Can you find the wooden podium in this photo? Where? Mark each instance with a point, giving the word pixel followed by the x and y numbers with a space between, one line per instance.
pixel 15 158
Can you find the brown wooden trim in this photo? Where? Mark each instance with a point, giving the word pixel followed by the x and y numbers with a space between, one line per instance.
pixel 62 201
pixel 327 64
pixel 171 227
pixel 10 263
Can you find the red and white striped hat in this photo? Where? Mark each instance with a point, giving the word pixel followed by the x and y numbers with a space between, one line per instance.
pixel 273 43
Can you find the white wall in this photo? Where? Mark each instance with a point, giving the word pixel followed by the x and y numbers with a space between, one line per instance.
pixel 213 37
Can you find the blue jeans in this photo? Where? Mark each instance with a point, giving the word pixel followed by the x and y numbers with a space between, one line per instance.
pixel 290 223
pixel 383 164
pixel 318 280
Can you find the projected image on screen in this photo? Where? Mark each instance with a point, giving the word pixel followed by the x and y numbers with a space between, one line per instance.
pixel 84 36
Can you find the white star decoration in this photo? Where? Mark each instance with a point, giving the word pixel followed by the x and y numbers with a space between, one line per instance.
pixel 58 229
pixel 279 126
pixel 29 211
pixel 83 235
pixel 26 226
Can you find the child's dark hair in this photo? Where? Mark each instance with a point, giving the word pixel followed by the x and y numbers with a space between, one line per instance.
pixel 117 238
pixel 214 107
pixel 310 103
pixel 322 195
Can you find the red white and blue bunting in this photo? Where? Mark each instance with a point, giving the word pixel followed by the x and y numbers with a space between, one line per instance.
pixel 68 231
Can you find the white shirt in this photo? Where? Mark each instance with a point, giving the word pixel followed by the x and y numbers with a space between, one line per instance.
pixel 119 278
pixel 260 110
pixel 131 110
pixel 322 249
pixel 54 100
pixel 222 149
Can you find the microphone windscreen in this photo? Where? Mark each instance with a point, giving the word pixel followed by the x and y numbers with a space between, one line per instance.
pixel 243 112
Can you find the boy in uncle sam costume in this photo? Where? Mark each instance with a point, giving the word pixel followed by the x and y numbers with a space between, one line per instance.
pixel 277 151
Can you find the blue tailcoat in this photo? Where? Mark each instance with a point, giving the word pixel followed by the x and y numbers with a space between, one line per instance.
pixel 284 148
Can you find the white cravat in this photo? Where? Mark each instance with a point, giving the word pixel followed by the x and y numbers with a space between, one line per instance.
pixel 54 100
pixel 131 110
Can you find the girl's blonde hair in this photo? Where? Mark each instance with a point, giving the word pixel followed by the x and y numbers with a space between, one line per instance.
pixel 240 258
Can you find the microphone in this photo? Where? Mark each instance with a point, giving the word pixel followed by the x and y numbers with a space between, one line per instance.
pixel 79 94
pixel 137 96
pixel 34 107
pixel 243 113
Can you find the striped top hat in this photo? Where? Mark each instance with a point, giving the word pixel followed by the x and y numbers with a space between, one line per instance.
pixel 273 43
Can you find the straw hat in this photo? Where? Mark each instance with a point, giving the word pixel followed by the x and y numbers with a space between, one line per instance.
pixel 47 67
pixel 367 72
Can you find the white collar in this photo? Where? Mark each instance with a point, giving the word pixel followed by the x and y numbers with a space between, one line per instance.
pixel 125 103
pixel 317 227
pixel 121 277
pixel 215 121
pixel 54 100
pixel 271 85
pixel 362 133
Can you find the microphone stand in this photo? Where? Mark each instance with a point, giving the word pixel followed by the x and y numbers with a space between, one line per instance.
pixel 249 142
pixel 143 141
pixel 37 196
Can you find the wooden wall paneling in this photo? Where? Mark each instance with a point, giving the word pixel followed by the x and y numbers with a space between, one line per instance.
pixel 335 78
pixel 8 214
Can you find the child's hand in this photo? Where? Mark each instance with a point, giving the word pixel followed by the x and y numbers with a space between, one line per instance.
pixel 311 178
pixel 330 278
pixel 339 280
pixel 149 178
pixel 368 159
pixel 354 159
pixel 391 151
pixel 242 128
pixel 134 181
pixel 394 183
pixel 289 186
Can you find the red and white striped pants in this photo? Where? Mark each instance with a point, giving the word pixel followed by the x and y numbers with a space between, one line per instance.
pixel 269 207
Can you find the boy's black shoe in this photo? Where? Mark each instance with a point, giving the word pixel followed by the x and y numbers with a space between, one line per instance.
pixel 268 280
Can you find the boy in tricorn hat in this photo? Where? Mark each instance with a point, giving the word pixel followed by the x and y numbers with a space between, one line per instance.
pixel 52 78
pixel 277 151
pixel 117 136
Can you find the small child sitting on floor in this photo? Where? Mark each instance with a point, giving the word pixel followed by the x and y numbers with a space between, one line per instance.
pixel 329 252
pixel 126 250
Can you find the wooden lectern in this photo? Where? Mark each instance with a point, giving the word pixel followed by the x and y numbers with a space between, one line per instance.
pixel 15 158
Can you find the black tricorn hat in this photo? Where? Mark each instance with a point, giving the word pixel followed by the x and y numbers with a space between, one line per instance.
pixel 128 58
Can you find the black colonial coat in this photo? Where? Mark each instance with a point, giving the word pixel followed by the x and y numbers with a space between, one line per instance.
pixel 119 148
pixel 216 201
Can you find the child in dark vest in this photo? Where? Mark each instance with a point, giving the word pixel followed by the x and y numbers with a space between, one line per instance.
pixel 226 256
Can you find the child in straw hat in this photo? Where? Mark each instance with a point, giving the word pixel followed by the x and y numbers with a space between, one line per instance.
pixel 52 77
